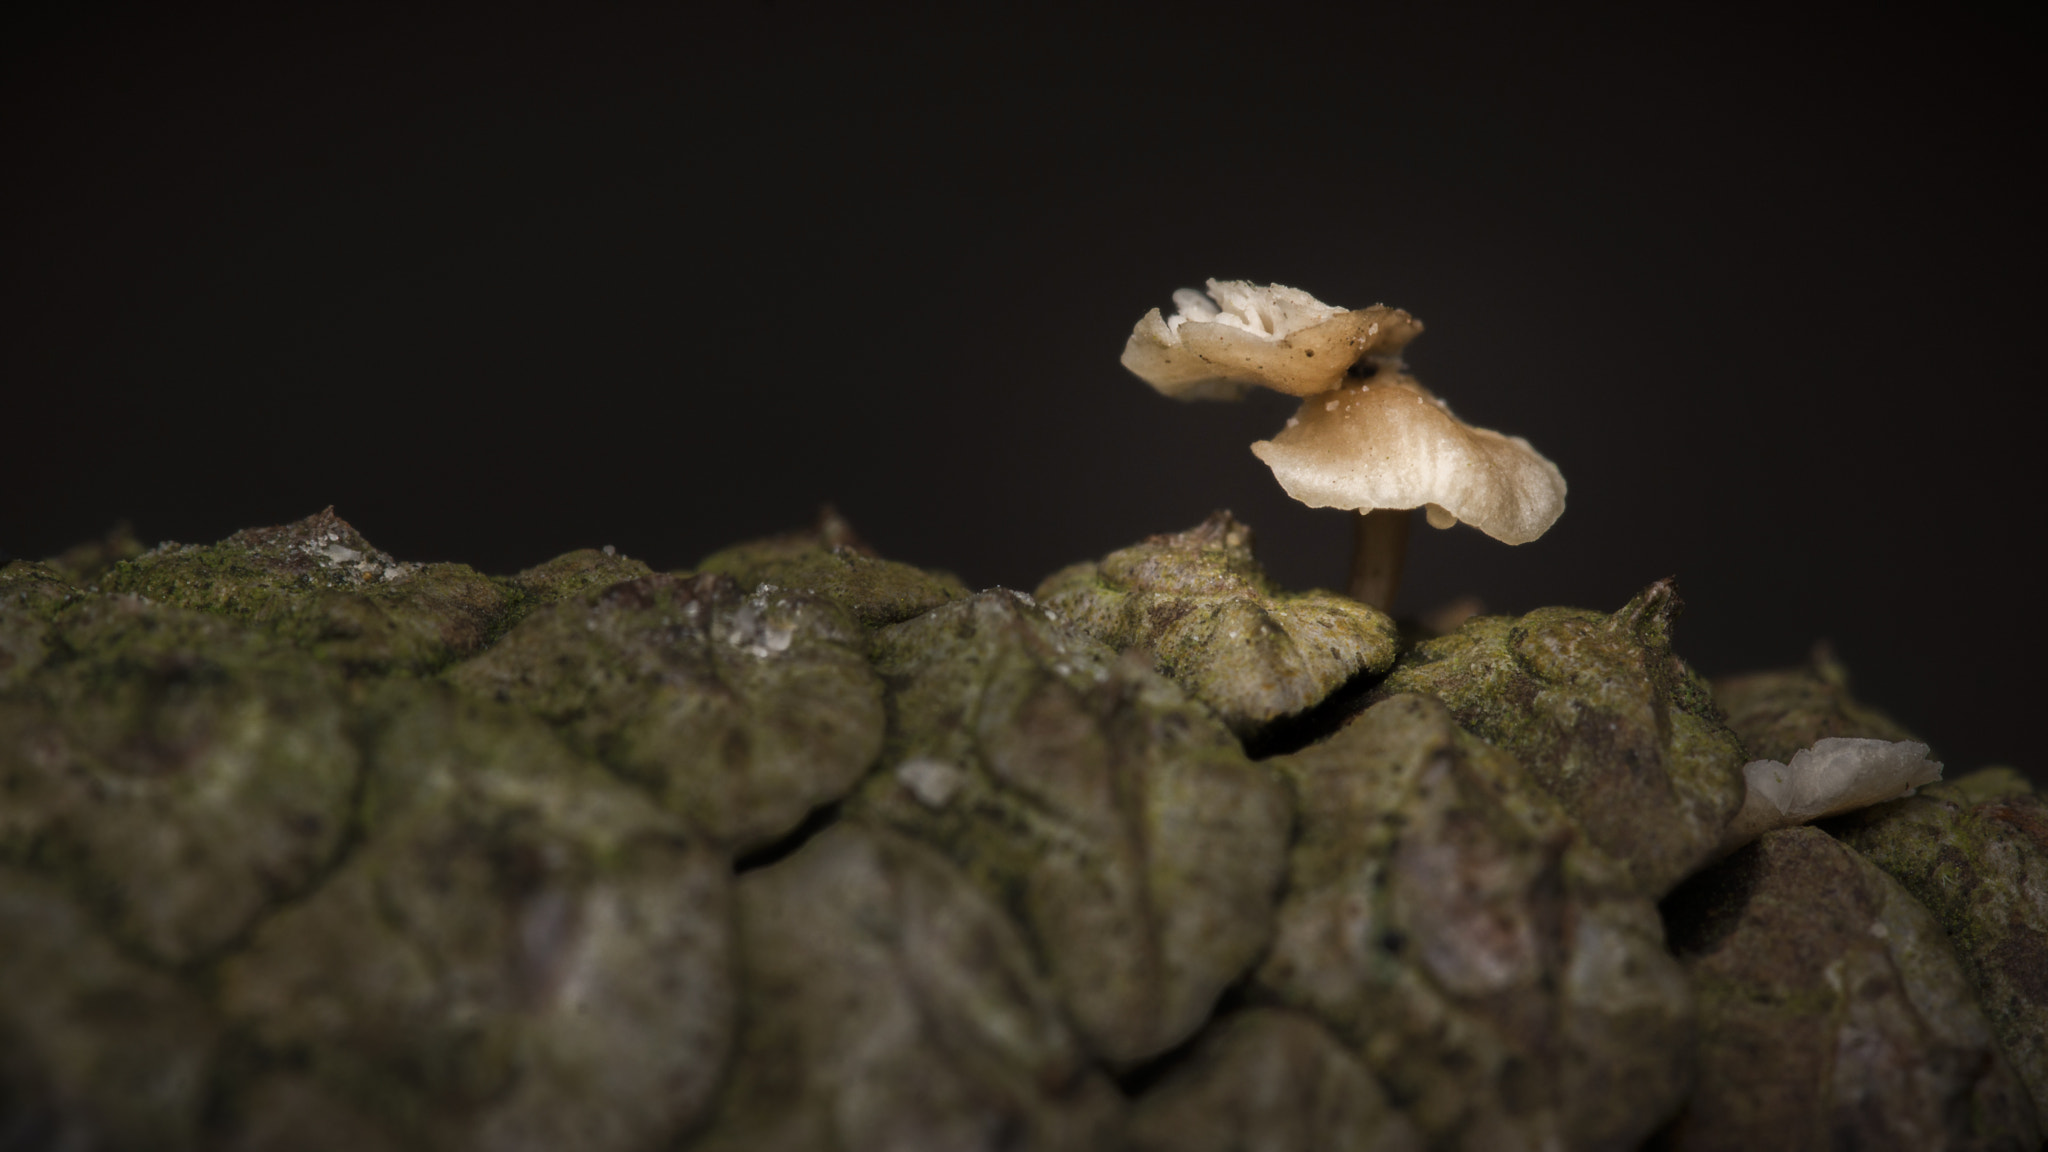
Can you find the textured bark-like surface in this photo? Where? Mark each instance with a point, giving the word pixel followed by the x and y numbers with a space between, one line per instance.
pixel 305 847
pixel 741 712
pixel 567 575
pixel 1605 716
pixel 1777 713
pixel 97 1050
pixel 889 1003
pixel 179 772
pixel 318 584
pixel 1272 1080
pixel 831 561
pixel 32 596
pixel 523 953
pixel 1213 622
pixel 1113 816
pixel 1499 975
pixel 1975 852
pixel 1833 1012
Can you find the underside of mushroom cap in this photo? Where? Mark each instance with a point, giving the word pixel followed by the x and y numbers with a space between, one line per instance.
pixel 1388 443
pixel 1240 334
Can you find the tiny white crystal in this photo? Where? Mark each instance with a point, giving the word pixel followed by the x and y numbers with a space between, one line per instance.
pixel 933 782
pixel 753 631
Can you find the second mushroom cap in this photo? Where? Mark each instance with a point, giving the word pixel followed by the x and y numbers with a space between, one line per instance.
pixel 1389 443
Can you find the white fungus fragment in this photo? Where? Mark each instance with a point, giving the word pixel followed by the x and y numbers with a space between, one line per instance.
pixel 933 782
pixel 340 553
pixel 1838 774
pixel 610 551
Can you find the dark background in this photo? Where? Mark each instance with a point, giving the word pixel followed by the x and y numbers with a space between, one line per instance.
pixel 502 283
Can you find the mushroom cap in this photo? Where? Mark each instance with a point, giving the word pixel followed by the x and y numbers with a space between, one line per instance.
pixel 1388 443
pixel 1240 334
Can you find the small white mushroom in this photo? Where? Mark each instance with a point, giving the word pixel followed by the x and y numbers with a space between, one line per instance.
pixel 1368 436
pixel 1838 774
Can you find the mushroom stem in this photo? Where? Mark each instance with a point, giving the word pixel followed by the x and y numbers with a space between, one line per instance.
pixel 1379 544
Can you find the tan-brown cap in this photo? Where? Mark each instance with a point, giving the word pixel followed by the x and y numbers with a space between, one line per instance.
pixel 1364 439
pixel 1239 334
pixel 1387 442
